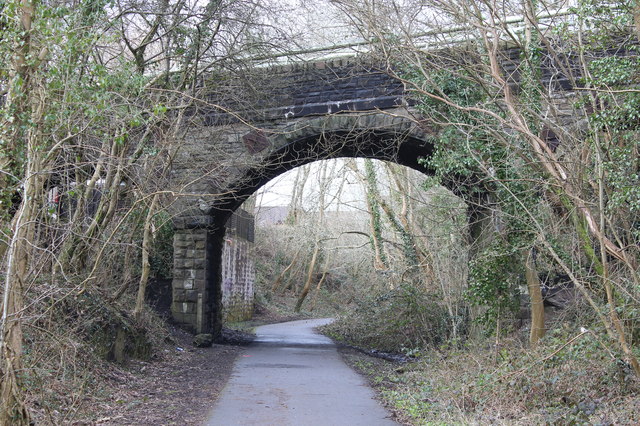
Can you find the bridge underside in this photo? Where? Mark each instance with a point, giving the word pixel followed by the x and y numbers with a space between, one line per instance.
pixel 200 232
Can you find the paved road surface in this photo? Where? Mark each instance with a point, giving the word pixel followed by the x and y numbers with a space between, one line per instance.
pixel 291 376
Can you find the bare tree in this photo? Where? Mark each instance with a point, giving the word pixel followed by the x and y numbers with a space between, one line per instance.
pixel 92 101
pixel 489 105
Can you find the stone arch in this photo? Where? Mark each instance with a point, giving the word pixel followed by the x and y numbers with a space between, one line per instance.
pixel 391 136
pixel 380 135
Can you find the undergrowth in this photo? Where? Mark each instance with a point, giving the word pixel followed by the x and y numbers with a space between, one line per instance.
pixel 75 342
pixel 570 378
pixel 403 319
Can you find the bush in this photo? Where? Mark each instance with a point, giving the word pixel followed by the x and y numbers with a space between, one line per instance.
pixel 399 320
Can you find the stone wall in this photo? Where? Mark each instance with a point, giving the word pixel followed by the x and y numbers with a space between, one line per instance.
pixel 238 268
pixel 194 305
pixel 299 90
pixel 191 253
pixel 238 276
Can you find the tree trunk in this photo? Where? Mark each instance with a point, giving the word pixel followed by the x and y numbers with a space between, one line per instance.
pixel 375 223
pixel 146 267
pixel 278 280
pixel 307 284
pixel 21 100
pixel 318 287
pixel 302 176
pixel 19 256
pixel 535 294
pixel 12 409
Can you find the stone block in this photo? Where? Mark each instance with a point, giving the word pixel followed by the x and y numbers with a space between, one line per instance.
pixel 200 284
pixel 191 296
pixel 199 235
pixel 187 284
pixel 203 340
pixel 178 316
pixel 188 308
pixel 181 244
pixel 186 321
pixel 177 284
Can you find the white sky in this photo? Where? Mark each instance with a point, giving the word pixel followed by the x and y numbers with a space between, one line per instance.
pixel 352 195
pixel 278 191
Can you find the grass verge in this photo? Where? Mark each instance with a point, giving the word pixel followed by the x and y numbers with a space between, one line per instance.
pixel 568 380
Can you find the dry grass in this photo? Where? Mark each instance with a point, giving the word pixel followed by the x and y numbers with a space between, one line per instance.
pixel 69 339
pixel 557 383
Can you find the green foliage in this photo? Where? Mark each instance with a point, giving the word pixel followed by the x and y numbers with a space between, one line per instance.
pixel 623 173
pixel 615 126
pixel 469 145
pixel 161 258
pixel 613 71
pixel 530 78
pixel 374 207
pixel 561 382
pixel 494 276
pixel 600 19
pixel 460 133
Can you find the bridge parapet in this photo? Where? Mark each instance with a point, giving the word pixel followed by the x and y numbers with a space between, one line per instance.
pixel 298 90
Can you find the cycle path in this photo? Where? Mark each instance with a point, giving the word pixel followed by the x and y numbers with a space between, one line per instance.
pixel 292 376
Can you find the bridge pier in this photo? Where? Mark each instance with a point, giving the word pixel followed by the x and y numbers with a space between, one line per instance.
pixel 192 290
pixel 213 273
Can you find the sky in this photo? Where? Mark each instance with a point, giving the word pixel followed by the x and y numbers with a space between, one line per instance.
pixel 344 182
pixel 278 191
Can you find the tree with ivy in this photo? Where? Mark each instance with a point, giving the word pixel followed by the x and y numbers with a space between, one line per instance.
pixel 548 134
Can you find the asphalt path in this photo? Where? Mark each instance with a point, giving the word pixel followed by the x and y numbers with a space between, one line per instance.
pixel 293 376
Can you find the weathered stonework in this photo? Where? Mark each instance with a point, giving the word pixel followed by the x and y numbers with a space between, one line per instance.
pixel 190 272
pixel 238 269
pixel 316 113
pixel 198 306
pixel 238 276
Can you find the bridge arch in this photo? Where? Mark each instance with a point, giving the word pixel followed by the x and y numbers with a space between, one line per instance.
pixel 391 136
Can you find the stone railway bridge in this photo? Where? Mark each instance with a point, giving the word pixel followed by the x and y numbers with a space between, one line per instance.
pixel 306 112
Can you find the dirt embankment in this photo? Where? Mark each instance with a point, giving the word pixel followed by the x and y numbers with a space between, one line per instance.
pixel 179 386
